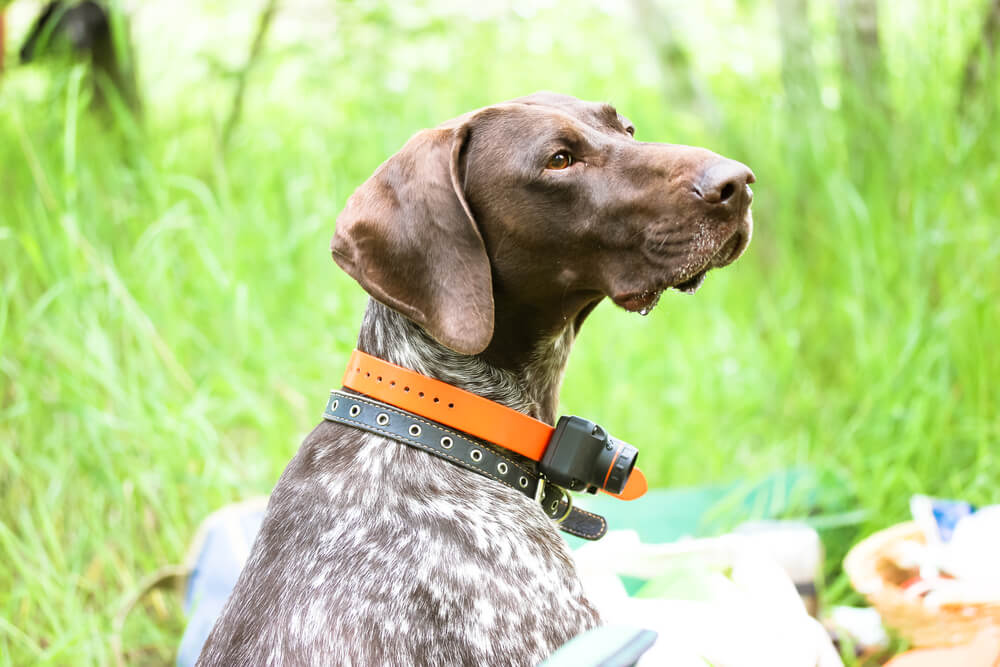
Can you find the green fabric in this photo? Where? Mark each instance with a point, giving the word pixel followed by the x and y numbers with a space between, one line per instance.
pixel 666 515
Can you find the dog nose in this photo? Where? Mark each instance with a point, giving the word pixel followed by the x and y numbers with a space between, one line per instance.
pixel 724 183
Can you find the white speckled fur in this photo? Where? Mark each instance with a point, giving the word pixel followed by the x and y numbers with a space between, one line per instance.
pixel 373 553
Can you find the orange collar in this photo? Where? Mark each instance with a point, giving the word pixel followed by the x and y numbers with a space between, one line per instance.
pixel 459 409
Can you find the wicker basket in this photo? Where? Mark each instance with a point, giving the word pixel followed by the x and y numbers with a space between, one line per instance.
pixel 874 573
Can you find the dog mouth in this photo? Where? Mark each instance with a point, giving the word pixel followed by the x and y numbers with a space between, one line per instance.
pixel 640 302
pixel 691 285
pixel 727 253
pixel 643 302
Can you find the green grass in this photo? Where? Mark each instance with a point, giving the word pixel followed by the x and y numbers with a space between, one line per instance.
pixel 170 318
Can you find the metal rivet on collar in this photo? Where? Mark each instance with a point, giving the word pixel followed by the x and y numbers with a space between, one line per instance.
pixel 415 430
pixel 355 410
pixel 502 468
pixel 382 419
pixel 523 482
pixel 335 404
pixel 476 455
pixel 554 505
pixel 446 442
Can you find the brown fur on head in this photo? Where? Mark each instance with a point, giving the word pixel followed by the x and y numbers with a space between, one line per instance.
pixel 448 231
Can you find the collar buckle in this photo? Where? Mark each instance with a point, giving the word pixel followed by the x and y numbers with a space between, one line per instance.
pixel 540 490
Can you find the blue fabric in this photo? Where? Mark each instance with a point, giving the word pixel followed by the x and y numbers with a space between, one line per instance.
pixel 607 646
pixel 228 539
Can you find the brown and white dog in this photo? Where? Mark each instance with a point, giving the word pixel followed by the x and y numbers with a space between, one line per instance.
pixel 484 244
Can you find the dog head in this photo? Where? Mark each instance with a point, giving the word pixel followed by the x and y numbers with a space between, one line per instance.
pixel 547 202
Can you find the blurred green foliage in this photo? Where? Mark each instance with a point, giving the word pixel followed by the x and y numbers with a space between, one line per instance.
pixel 170 319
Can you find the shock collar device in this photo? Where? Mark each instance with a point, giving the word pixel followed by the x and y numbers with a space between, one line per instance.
pixel 453 424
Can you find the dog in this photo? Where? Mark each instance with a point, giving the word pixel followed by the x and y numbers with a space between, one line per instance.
pixel 484 244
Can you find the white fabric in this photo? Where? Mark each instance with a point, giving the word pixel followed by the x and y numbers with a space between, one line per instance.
pixel 751 617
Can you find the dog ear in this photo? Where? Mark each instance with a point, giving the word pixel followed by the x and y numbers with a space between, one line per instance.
pixel 408 237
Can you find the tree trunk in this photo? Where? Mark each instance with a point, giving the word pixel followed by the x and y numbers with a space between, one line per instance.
pixel 982 57
pixel 861 50
pixel 682 86
pixel 3 44
pixel 236 108
pixel 864 89
pixel 798 68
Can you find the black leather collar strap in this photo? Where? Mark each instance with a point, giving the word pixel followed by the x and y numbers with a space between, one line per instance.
pixel 465 451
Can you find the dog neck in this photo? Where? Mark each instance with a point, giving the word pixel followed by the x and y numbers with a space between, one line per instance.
pixel 529 384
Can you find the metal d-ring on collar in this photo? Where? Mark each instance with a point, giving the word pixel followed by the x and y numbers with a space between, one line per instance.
pixel 541 492
pixel 465 451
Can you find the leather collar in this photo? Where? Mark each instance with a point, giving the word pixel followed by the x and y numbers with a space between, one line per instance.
pixel 460 410
pixel 465 451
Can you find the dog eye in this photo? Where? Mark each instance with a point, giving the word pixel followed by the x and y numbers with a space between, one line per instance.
pixel 631 130
pixel 560 160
